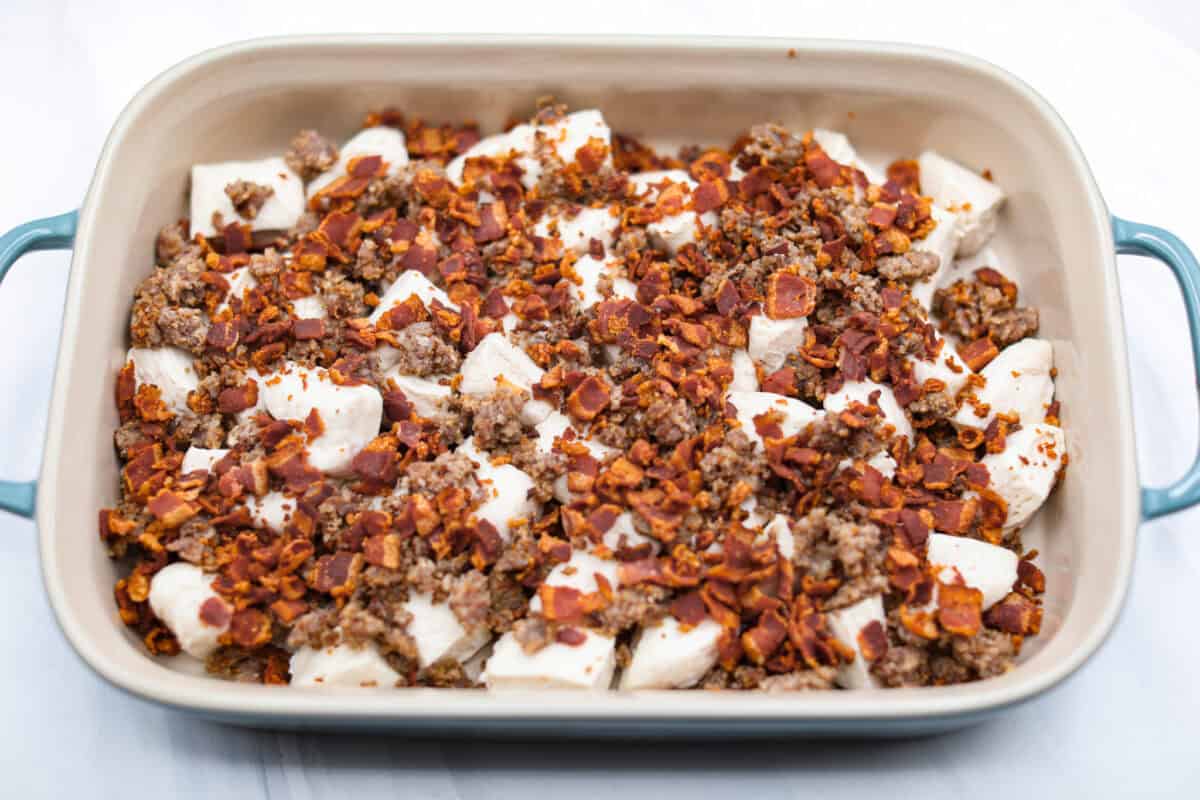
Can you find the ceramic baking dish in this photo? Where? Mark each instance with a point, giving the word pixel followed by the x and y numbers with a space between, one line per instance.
pixel 246 100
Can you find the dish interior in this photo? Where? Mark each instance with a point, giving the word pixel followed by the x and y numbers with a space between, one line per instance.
pixel 247 102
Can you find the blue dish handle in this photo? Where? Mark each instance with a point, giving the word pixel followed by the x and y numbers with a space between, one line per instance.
pixel 51 233
pixel 1146 240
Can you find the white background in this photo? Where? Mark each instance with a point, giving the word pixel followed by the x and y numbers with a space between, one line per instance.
pixel 1128 723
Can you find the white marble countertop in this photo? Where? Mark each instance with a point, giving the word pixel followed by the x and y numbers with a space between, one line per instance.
pixel 1127 723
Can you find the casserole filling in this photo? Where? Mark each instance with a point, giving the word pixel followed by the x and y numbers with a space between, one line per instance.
pixel 548 409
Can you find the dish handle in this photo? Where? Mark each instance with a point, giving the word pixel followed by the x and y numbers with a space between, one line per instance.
pixel 1135 238
pixel 51 233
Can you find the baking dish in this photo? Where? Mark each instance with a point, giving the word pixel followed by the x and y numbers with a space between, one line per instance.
pixel 245 101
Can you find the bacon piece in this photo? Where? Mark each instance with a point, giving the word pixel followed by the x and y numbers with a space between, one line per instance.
pixel 591 155
pixel 308 329
pixel 295 470
pixel 572 637
pixel 250 628
pixel 336 574
pixel 149 404
pixel 882 215
pixel 1015 614
pixel 382 550
pixel 781 381
pixel 919 623
pixel 710 195
pixel 823 169
pixel 790 295
pixel 171 508
pixel 215 612
pixel 221 336
pixel 1029 576
pixel 238 398
pixel 915 527
pixel 960 609
pixel 561 603
pixel 493 222
pixel 292 555
pixel 378 463
pixel 978 353
pixel 688 608
pixel 590 397
pixel 873 641
pixel 646 570
pixel 765 637
pixel 488 544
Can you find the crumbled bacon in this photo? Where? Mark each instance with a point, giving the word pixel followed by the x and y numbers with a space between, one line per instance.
pixel 790 295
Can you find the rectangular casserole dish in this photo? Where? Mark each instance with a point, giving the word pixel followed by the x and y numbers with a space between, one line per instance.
pixel 246 100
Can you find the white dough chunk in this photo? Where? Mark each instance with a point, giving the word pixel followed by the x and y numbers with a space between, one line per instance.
pixel 1023 473
pixel 201 458
pixel 588 665
pixel 779 529
pixel 495 358
pixel 773 340
pixel 668 657
pixel 387 143
pixel 409 283
pixel 506 488
pixel 309 307
pixel 861 391
pixel 168 368
pixel 240 281
pixel 426 396
pixel 562 139
pixel 342 665
pixel 1018 382
pixel 271 511
pixel 589 270
pixel 942 241
pixel 351 414
pixel 845 624
pixel 946 367
pixel 178 594
pixel 579 573
pixel 279 212
pixel 745 376
pixel 437 632
pixel 796 414
pixel 673 232
pixel 624 534
pixel 974 199
pixel 987 567
pixel 577 232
